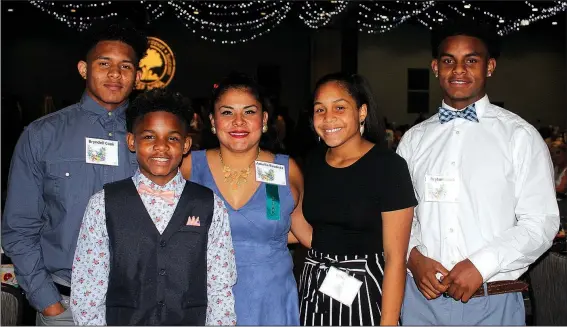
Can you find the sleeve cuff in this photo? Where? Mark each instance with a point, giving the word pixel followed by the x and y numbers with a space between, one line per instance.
pixel 486 263
pixel 45 296
pixel 419 247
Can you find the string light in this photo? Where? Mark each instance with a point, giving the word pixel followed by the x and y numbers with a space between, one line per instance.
pixel 443 17
pixel 560 6
pixel 486 13
pixel 230 6
pixel 233 10
pixel 242 30
pixel 243 21
pixel 457 10
pixel 314 15
pixel 188 14
pixel 515 25
pixel 79 23
pixel 154 8
pixel 381 19
pixel 534 8
pixel 78 5
pixel 424 23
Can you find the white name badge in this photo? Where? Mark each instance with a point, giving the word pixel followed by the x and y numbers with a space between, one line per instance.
pixel 101 152
pixel 340 286
pixel 441 188
pixel 271 173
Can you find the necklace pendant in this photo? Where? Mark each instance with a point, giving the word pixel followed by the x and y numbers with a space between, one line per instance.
pixel 235 178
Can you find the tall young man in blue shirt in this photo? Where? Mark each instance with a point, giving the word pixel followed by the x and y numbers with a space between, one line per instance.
pixel 61 160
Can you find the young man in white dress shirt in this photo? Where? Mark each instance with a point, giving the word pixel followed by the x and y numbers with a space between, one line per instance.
pixel 484 181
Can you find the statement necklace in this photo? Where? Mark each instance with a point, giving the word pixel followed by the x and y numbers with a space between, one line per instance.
pixel 236 177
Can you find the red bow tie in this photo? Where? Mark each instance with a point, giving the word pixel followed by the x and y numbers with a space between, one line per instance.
pixel 167 196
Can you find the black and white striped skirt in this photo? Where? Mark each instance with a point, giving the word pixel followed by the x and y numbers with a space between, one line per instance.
pixel 318 309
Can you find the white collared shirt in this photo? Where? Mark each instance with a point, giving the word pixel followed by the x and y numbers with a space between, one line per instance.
pixel 506 215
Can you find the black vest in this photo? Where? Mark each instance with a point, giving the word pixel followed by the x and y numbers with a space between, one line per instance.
pixel 157 279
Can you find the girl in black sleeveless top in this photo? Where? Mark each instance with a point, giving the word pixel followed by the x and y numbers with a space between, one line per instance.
pixel 359 199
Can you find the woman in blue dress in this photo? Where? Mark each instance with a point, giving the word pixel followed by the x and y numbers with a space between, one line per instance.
pixel 261 213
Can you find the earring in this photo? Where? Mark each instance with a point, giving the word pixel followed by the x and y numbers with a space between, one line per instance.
pixel 361 128
pixel 213 130
pixel 436 74
pixel 489 74
pixel 264 128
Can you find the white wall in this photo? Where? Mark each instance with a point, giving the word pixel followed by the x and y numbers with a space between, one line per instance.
pixel 530 75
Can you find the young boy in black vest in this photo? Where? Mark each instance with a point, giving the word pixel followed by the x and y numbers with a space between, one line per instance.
pixel 155 249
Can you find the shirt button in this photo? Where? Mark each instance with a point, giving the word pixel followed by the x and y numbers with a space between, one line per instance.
pixel 162 244
pixel 162 272
pixel 453 263
pixel 109 134
pixel 450 230
pixel 110 113
pixel 452 163
pixel 67 174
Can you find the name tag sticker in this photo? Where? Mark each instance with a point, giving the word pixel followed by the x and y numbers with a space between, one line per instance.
pixel 340 286
pixel 442 188
pixel 270 173
pixel 101 152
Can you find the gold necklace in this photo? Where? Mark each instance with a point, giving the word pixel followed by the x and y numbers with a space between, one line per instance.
pixel 236 177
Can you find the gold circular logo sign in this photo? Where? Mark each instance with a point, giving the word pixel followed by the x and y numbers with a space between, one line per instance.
pixel 158 66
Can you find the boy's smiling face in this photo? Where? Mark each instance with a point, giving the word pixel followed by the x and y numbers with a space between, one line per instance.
pixel 160 140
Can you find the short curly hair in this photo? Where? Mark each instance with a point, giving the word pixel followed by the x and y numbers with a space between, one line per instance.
pixel 467 27
pixel 159 99
pixel 116 29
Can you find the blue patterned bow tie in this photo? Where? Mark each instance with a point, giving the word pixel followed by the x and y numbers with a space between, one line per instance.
pixel 446 115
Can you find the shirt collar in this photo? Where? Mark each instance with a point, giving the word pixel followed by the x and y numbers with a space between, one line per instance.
pixel 480 106
pixel 97 112
pixel 176 184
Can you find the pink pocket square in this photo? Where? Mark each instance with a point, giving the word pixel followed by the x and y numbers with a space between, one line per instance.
pixel 193 221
